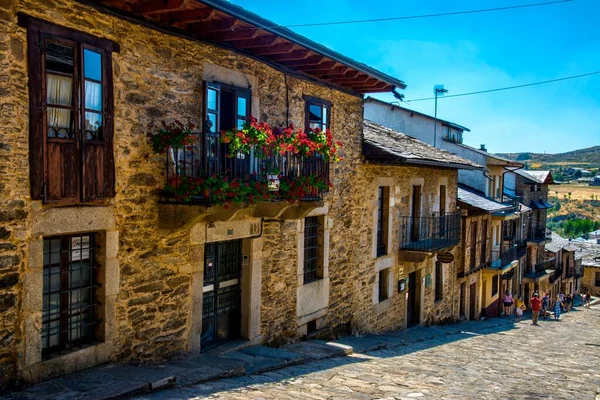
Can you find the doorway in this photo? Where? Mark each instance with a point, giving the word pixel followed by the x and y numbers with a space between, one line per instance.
pixel 413 308
pixel 472 300
pixel 462 307
pixel 221 307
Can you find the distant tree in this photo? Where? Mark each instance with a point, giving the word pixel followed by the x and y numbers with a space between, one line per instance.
pixel 569 195
pixel 577 174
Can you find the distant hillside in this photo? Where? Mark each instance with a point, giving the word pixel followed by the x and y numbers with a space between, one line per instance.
pixel 590 156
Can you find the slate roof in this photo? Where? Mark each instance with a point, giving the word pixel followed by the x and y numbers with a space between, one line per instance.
pixel 504 161
pixel 370 99
pixel 385 145
pixel 535 176
pixel 478 201
pixel 559 243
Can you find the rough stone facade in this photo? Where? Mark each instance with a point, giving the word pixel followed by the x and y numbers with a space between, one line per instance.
pixel 465 274
pixel 588 281
pixel 155 309
pixel 152 268
pixel 391 313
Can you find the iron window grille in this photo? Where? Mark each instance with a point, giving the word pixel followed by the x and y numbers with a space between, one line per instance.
pixel 381 221
pixel 312 250
pixel 495 282
pixel 383 284
pixel 70 281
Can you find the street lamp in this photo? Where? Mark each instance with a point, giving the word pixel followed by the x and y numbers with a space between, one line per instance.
pixel 438 90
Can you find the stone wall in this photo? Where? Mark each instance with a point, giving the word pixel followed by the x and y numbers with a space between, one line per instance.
pixel 158 76
pixel 588 281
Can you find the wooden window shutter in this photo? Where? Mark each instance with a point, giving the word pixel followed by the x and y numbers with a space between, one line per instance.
pixel 37 138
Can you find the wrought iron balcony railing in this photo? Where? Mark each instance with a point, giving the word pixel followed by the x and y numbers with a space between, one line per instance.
pixel 502 259
pixel 207 158
pixel 429 233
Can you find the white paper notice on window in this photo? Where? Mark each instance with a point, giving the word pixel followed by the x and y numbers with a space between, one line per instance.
pixel 80 248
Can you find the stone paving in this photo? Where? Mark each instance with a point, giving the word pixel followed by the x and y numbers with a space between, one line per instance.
pixel 501 359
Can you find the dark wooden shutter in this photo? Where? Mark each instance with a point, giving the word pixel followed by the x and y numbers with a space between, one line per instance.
pixel 62 167
pixel 37 136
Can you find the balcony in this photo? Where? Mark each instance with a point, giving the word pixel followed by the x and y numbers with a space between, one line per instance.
pixel 557 273
pixel 428 234
pixel 504 259
pixel 204 177
pixel 541 269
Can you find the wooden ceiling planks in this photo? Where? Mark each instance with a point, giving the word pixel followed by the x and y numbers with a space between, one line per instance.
pixel 207 23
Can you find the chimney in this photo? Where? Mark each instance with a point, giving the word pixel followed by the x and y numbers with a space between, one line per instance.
pixel 483 148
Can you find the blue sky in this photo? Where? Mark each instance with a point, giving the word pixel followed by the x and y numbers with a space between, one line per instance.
pixel 474 52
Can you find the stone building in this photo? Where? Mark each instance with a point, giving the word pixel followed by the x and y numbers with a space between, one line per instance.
pixel 410 191
pixel 479 274
pixel 98 265
pixel 507 236
pixel 564 278
pixel 531 188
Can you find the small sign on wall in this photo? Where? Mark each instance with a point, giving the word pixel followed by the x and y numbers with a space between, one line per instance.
pixel 428 280
pixel 401 285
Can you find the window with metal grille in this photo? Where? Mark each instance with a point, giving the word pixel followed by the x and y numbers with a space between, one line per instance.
pixel 312 250
pixel 70 280
pixel 439 281
pixel 495 281
pixel 382 219
pixel 597 279
pixel 384 276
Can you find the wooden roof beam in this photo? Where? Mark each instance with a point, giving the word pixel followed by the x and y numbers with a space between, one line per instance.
pixel 361 79
pixel 377 87
pixel 280 48
pixel 292 55
pixel 232 36
pixel 182 18
pixel 324 66
pixel 157 6
pixel 309 61
pixel 333 75
pixel 257 42
pixel 204 28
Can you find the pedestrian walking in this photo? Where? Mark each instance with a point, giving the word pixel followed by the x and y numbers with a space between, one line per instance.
pixel 545 305
pixel 558 305
pixel 561 295
pixel 568 302
pixel 536 305
pixel 507 299
pixel 519 307
pixel 588 299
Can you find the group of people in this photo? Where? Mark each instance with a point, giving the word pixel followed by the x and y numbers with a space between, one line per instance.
pixel 562 303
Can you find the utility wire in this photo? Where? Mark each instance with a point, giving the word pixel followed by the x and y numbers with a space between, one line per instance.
pixel 363 21
pixel 507 88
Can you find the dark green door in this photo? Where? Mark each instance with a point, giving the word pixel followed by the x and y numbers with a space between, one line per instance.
pixel 221 293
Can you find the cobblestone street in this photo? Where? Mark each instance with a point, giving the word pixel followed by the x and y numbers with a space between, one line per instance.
pixel 556 360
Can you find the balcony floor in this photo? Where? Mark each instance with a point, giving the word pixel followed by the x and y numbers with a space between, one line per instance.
pixel 429 245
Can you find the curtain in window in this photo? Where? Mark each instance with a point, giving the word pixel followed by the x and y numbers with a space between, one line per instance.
pixel 59 92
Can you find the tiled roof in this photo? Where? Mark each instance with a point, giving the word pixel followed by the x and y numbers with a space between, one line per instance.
pixel 475 200
pixel 588 250
pixel 382 144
